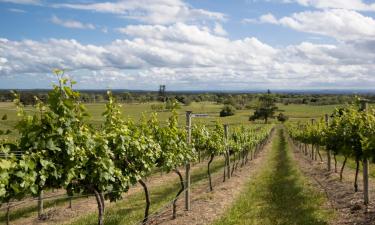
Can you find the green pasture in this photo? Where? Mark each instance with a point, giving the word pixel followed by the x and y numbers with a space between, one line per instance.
pixel 135 111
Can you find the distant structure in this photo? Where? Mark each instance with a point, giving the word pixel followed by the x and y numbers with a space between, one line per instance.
pixel 162 94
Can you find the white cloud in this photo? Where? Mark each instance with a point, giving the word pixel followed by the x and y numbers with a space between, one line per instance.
pixel 192 57
pixel 357 5
pixel 104 30
pixel 268 18
pixel 72 23
pixel 219 30
pixel 340 24
pixel 24 2
pixel 17 10
pixel 249 21
pixel 150 11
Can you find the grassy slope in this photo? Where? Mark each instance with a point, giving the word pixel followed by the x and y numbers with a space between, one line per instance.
pixel 278 195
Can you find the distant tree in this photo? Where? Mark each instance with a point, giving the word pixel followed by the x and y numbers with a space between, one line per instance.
pixel 228 110
pixel 172 104
pixel 127 97
pixel 27 98
pixel 266 107
pixel 282 117
pixel 157 107
pixel 183 99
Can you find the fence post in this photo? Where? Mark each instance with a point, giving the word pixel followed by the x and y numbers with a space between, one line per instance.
pixel 312 145
pixel 328 151
pixel 187 167
pixel 365 167
pixel 40 204
pixel 226 128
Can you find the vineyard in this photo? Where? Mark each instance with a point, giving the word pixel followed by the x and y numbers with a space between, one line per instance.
pixel 57 149
pixel 57 167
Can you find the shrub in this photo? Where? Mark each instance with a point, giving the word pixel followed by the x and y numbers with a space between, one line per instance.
pixel 172 104
pixel 282 118
pixel 157 107
pixel 228 110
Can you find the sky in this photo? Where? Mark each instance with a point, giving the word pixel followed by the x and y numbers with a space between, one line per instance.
pixel 189 45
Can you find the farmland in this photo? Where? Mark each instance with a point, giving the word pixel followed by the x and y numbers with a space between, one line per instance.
pixel 186 112
pixel 275 174
pixel 135 111
pixel 245 170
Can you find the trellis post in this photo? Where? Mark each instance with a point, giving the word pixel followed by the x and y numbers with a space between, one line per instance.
pixel 187 167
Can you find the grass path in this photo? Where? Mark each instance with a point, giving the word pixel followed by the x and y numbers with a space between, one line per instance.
pixel 278 195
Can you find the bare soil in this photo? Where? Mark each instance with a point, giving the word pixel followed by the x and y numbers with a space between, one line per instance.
pixel 62 214
pixel 208 206
pixel 347 204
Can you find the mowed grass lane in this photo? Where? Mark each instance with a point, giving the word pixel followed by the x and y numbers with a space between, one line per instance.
pixel 279 195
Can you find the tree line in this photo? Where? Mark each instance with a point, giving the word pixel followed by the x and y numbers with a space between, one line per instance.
pixel 237 100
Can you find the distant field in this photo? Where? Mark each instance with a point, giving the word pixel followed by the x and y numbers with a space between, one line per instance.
pixel 306 111
pixel 135 111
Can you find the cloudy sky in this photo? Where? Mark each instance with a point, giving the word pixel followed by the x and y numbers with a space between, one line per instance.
pixel 189 45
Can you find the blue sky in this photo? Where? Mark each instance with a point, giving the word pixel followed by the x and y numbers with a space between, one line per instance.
pixel 189 45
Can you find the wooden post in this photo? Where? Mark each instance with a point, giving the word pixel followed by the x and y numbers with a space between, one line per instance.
pixel 187 169
pixel 7 213
pixel 328 151
pixel 312 145
pixel 227 150
pixel 40 204
pixel 365 167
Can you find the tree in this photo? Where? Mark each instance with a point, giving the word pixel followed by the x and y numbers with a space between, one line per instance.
pixel 228 110
pixel 172 104
pixel 282 117
pixel 266 108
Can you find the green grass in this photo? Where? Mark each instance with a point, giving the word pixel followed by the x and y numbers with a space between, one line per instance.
pixel 135 202
pixel 278 195
pixel 301 112
pixel 31 210
pixel 131 209
pixel 135 111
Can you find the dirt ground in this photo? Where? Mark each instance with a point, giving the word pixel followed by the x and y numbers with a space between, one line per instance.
pixel 347 204
pixel 208 206
pixel 61 214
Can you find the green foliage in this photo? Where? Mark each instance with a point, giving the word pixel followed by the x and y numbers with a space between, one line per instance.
pixel 277 184
pixel 172 140
pixel 266 108
pixel 58 148
pixel 227 110
pixel 172 104
pixel 134 149
pixel 157 107
pixel 350 132
pixel 282 118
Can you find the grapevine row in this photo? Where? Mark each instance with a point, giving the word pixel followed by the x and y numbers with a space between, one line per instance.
pixel 349 131
pixel 58 148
